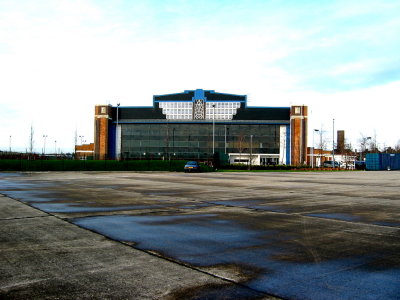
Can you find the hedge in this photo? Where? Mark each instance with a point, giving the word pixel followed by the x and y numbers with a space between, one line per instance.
pixel 94 165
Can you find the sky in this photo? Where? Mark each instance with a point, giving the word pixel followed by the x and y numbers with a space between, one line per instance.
pixel 58 59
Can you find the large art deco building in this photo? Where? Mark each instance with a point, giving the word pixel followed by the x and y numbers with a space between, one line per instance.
pixel 202 125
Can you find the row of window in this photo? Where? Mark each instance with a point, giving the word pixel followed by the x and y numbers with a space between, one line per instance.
pixel 194 130
pixel 198 144
pixel 179 150
pixel 184 110
pixel 179 117
pixel 208 104
pixel 176 104
pixel 171 111
pixel 210 112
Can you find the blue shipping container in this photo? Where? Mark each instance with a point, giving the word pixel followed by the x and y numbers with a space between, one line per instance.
pixel 382 161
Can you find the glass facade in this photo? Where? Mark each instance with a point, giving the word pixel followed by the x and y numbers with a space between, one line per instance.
pixel 195 140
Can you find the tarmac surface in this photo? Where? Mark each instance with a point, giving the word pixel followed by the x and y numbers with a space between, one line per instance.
pixel 159 235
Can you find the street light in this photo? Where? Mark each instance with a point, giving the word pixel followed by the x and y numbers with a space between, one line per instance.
pixel 333 144
pixel 213 129
pixel 55 148
pixel 44 144
pixel 116 135
pixel 313 144
pixel 10 143
pixel 251 150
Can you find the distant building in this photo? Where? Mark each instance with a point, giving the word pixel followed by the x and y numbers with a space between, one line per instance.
pixel 85 151
pixel 340 148
pixel 317 158
pixel 202 125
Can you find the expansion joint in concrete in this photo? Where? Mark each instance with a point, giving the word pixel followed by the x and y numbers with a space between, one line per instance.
pixel 178 262
pixel 22 218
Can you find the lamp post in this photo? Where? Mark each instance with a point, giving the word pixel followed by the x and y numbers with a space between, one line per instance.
pixel 44 144
pixel 333 144
pixel 313 144
pixel 116 136
pixel 251 150
pixel 213 129
pixel 10 143
pixel 55 148
pixel 320 146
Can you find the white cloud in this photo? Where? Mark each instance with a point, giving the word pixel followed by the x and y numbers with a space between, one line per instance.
pixel 61 58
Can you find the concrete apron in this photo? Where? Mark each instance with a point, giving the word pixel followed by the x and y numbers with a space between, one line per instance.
pixel 43 256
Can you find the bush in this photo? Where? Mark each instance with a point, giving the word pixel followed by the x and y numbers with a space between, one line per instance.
pixel 94 165
pixel 268 167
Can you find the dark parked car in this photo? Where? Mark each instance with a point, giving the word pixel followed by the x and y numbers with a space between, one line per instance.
pixel 192 166
pixel 329 164
pixel 359 165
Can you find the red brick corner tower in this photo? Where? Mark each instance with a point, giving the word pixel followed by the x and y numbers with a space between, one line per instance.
pixel 298 129
pixel 102 116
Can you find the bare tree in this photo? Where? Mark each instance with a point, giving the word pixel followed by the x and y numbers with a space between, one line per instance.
pixel 364 142
pixel 373 146
pixel 322 144
pixel 397 147
pixel 241 145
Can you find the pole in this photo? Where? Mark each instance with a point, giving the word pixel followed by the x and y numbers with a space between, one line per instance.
pixel 55 148
pixel 251 149
pixel 315 130
pixel 213 129
pixel 10 143
pixel 117 137
pixel 312 151
pixel 44 144
pixel 333 144
pixel 320 150
pixel 75 142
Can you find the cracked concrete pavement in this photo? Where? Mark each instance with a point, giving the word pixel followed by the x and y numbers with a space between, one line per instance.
pixel 159 235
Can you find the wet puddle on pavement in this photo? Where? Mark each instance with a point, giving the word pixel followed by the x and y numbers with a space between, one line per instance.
pixel 253 204
pixel 206 240
pixel 389 224
pixel 78 207
pixel 337 216
pixel 29 196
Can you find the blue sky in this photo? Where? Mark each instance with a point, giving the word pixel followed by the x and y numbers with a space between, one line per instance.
pixel 60 58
